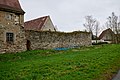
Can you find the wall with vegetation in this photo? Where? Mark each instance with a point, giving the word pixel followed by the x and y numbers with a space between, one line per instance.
pixel 51 40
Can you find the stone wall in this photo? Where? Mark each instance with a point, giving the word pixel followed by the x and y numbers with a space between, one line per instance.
pixel 8 25
pixel 51 40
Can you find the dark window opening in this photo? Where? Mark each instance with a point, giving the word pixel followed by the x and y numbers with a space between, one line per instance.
pixel 9 37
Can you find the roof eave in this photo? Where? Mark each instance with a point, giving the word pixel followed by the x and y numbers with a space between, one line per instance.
pixel 11 9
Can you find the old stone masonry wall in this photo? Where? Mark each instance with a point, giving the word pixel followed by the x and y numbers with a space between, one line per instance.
pixel 50 40
pixel 18 45
pixel 12 35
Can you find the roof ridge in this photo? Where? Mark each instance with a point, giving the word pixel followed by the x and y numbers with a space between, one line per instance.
pixel 36 19
pixel 35 23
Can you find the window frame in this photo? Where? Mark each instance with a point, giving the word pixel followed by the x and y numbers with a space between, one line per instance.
pixel 9 37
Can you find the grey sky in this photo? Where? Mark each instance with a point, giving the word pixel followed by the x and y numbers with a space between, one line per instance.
pixel 69 15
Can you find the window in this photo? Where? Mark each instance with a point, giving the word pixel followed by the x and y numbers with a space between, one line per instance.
pixel 9 16
pixel 9 37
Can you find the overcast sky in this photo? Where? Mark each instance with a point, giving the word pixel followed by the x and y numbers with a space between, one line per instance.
pixel 69 15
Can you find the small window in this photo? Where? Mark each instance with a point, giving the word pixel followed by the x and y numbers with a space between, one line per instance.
pixel 9 16
pixel 9 37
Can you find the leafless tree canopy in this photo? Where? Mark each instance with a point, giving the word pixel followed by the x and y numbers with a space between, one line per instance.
pixel 97 28
pixel 92 25
pixel 113 22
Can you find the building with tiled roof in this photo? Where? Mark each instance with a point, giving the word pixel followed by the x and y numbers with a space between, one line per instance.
pixel 12 37
pixel 107 35
pixel 17 36
pixel 40 24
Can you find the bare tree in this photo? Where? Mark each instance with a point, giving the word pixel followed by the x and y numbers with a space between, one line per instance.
pixel 97 29
pixel 114 24
pixel 92 25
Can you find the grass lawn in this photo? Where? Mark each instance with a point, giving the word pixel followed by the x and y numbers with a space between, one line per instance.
pixel 91 63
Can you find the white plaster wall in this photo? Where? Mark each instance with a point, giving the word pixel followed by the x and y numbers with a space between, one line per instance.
pixel 48 25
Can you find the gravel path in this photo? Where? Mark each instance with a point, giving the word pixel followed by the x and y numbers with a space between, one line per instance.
pixel 117 77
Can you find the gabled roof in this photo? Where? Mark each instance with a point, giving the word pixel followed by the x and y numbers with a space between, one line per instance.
pixel 104 32
pixel 11 6
pixel 35 24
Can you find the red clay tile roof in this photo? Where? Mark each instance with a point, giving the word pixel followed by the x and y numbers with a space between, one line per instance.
pixel 11 6
pixel 104 32
pixel 35 24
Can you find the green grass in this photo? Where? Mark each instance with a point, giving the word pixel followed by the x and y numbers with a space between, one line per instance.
pixel 90 63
